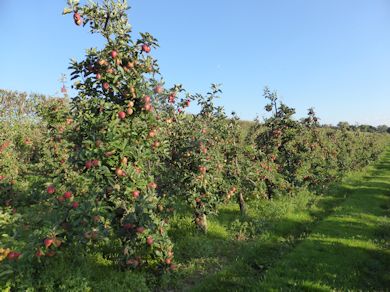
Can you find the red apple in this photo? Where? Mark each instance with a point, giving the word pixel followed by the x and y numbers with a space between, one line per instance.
pixel 128 226
pixel 77 19
pixel 146 48
pixel 88 164
pixel 130 111
pixel 67 195
pixel 147 99
pixel 135 194
pixel 61 199
pixel 140 229
pixel 158 89
pixel 114 54
pixel 13 255
pixel 148 107
pixel 98 76
pixel 120 172
pixel 48 242
pixel 75 205
pixel 152 185
pixel 51 189
pixel 122 115
pixel 39 253
pixel 149 240
pixel 106 86
pixel 95 162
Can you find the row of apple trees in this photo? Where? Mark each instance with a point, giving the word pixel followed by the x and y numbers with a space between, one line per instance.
pixel 109 167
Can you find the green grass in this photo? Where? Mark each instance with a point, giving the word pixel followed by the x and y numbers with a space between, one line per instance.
pixel 348 250
pixel 336 241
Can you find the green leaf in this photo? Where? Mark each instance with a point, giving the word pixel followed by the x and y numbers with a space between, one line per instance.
pixel 67 10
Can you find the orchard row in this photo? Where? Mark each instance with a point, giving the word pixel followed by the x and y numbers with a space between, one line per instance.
pixel 111 166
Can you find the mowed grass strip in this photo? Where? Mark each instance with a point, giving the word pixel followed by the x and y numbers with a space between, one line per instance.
pixel 348 250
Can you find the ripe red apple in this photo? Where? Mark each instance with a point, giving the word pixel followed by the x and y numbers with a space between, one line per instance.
pixel 95 162
pixel 148 107
pixel 146 48
pixel 48 242
pixel 76 16
pixel 156 144
pixel 140 229
pixel 202 169
pixel 188 103
pixel 13 255
pixel 171 98
pixel 75 205
pixel 152 185
pixel 106 86
pixel 114 54
pixel 77 19
pixel 135 194
pixel 119 172
pixel 128 226
pixel 67 195
pixel 147 99
pixel 39 253
pixel 98 76
pixel 168 261
pixel 158 89
pixel 149 240
pixel 51 189
pixel 152 133
pixel 130 65
pixel 122 115
pixel 88 164
pixel 61 199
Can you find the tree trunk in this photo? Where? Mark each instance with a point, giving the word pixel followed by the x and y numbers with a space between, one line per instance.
pixel 242 204
pixel 269 189
pixel 201 222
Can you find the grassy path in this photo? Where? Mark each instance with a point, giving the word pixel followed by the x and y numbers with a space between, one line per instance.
pixel 348 250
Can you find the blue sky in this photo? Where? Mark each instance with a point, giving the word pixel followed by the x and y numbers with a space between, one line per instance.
pixel 333 55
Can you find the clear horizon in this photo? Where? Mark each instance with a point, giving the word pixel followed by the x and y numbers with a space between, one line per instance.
pixel 330 55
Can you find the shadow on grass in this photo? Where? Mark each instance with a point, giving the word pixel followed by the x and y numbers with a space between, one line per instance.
pixel 346 250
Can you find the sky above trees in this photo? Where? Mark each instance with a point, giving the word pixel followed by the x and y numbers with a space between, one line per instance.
pixel 328 54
